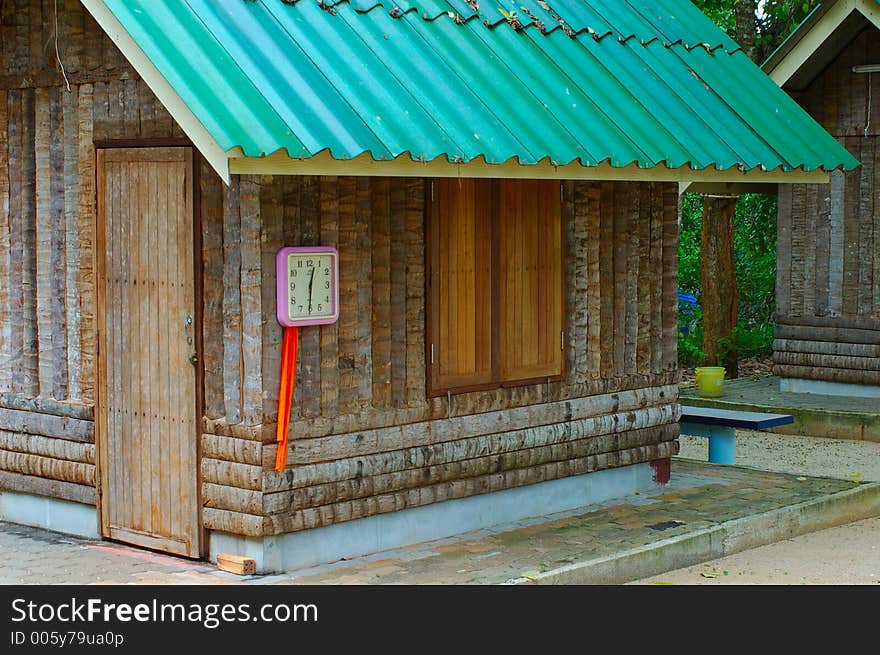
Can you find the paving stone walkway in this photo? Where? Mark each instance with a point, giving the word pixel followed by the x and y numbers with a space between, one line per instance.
pixel 699 495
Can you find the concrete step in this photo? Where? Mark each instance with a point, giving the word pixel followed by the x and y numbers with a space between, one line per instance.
pixel 815 415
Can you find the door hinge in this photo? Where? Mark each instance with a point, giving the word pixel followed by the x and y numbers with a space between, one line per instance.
pixel 562 340
pixel 432 353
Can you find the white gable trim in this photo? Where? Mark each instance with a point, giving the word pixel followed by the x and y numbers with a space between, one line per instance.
pixel 166 94
pixel 821 31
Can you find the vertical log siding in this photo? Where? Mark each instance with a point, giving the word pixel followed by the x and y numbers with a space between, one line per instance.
pixel 828 277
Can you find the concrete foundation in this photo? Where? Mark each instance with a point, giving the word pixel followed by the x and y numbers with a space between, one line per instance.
pixel 49 513
pixel 410 526
pixel 820 387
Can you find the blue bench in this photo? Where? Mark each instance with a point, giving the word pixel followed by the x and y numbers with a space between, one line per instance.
pixel 719 426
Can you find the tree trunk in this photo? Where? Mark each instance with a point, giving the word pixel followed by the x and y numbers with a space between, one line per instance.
pixel 747 26
pixel 718 297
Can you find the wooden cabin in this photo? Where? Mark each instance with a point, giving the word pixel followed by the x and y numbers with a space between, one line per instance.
pixel 828 277
pixel 502 192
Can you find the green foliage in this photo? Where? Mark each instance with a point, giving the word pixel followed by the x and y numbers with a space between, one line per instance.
pixel 690 346
pixel 778 19
pixel 774 19
pixel 755 259
pixel 721 12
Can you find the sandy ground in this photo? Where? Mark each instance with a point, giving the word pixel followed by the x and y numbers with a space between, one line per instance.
pixel 810 456
pixel 845 555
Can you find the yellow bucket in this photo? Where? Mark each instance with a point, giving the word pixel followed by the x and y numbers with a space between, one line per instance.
pixel 710 381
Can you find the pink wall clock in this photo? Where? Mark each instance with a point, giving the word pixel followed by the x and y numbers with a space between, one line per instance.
pixel 308 285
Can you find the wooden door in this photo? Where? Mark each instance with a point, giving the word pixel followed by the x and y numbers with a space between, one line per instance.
pixel 147 325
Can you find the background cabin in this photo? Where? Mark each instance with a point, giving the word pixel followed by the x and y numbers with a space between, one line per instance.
pixel 507 321
pixel 828 277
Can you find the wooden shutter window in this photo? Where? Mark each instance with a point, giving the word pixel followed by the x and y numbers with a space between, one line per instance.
pixel 495 284
pixel 530 279
pixel 460 345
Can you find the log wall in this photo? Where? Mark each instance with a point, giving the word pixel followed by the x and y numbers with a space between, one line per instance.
pixel 47 216
pixel 828 278
pixel 364 436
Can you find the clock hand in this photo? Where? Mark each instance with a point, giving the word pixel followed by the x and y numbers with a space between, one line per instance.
pixel 311 284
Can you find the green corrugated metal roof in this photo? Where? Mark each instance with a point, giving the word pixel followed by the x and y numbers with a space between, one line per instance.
pixel 650 82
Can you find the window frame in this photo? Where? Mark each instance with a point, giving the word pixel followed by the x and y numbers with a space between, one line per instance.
pixel 431 222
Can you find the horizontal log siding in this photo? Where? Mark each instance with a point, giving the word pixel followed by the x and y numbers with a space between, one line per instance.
pixel 378 442
pixel 828 277
pixel 47 465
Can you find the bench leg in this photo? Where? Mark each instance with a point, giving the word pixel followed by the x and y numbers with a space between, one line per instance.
pixel 722 446
pixel 722 440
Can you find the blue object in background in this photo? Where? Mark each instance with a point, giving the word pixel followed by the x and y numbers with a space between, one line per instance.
pixel 688 299
pixel 687 304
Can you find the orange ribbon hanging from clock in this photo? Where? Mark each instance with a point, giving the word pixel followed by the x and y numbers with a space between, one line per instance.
pixel 307 294
pixel 285 395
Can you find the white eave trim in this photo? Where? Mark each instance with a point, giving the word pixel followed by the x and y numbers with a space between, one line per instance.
pixel 810 42
pixel 180 112
pixel 280 163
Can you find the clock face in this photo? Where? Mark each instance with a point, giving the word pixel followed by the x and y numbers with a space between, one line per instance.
pixel 308 285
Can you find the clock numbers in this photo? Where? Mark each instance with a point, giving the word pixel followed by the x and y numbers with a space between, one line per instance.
pixel 307 285
pixel 310 284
